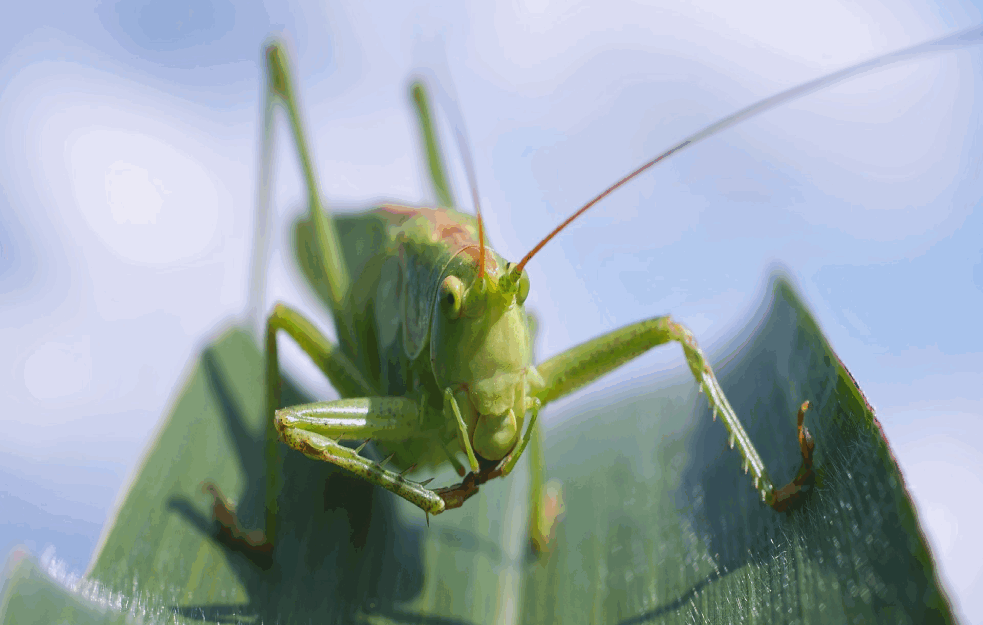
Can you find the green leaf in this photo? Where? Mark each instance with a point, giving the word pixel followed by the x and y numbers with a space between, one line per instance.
pixel 661 524
pixel 30 596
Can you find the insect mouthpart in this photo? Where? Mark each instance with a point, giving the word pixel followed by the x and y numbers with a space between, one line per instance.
pixel 493 410
pixel 495 435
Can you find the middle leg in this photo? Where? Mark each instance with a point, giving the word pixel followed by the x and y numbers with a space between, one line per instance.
pixel 584 363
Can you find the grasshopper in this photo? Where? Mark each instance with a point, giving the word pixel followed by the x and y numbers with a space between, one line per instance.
pixel 434 359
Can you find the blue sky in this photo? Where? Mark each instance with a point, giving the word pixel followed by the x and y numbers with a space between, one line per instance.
pixel 127 213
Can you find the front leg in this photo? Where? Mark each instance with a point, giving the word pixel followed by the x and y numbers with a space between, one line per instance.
pixel 345 378
pixel 315 429
pixel 584 363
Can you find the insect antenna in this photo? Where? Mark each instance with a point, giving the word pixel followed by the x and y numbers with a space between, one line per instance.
pixel 462 146
pixel 446 97
pixel 948 42
pixel 518 268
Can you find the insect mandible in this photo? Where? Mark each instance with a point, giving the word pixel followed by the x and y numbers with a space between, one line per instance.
pixel 434 356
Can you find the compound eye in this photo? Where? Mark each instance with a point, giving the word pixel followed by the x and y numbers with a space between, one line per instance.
pixel 523 287
pixel 451 297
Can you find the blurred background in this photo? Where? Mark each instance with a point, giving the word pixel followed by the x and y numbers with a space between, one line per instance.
pixel 128 169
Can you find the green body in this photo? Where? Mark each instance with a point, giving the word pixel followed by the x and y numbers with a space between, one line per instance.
pixel 394 331
pixel 434 355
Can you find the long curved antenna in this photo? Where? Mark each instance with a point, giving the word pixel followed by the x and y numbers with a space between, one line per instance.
pixel 961 39
pixel 445 96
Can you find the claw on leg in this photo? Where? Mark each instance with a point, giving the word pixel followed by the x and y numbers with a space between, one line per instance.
pixel 229 530
pixel 455 496
pixel 787 496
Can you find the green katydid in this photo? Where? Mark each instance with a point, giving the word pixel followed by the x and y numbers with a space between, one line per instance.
pixel 434 360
